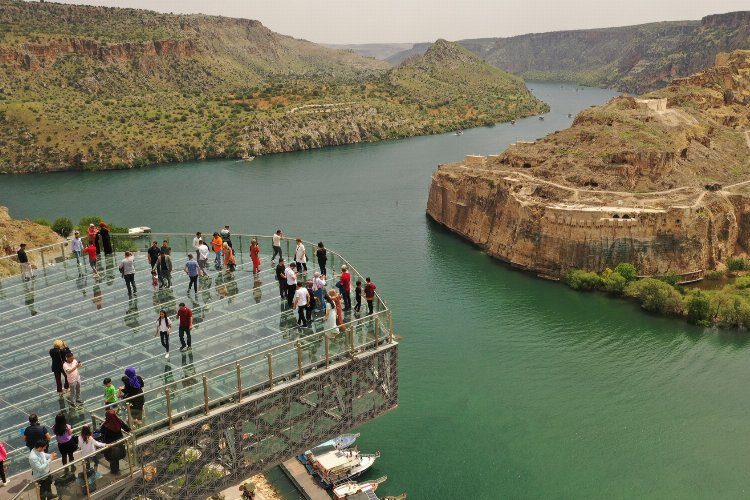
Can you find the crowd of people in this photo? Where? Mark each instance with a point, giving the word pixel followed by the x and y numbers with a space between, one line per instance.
pixel 308 296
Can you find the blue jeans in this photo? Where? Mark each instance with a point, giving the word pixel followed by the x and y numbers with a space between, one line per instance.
pixel 217 260
pixel 77 253
pixel 321 301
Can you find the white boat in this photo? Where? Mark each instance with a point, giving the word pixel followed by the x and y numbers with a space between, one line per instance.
pixel 337 466
pixel 247 158
pixel 135 231
pixel 349 488
pixel 340 442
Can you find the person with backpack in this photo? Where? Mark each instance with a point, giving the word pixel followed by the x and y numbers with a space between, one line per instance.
pixel 111 429
pixel 226 236
pixel 163 329
pixel 318 290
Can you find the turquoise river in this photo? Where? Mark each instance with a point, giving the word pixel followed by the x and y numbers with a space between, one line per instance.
pixel 510 386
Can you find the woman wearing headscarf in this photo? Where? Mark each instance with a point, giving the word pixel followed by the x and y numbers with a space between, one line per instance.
pixel 133 386
pixel 104 235
pixel 111 431
pixel 58 353
pixel 255 255
pixel 229 261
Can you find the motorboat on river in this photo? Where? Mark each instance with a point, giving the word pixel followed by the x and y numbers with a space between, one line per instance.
pixel 352 489
pixel 334 462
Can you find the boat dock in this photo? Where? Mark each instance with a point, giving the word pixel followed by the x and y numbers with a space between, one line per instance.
pixel 303 481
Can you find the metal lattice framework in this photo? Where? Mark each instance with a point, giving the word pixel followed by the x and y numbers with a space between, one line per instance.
pixel 201 456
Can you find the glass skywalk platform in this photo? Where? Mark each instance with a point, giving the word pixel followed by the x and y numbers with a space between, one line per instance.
pixel 244 334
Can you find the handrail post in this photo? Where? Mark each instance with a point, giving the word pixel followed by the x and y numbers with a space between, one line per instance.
pixel 130 417
pixel 86 478
pixel 205 395
pixel 131 453
pixel 38 489
pixel 390 328
pixel 287 251
pixel 377 328
pixel 239 384
pixel 270 370
pixel 350 335
pixel 169 408
pixel 328 352
pixel 299 359
pixel 62 251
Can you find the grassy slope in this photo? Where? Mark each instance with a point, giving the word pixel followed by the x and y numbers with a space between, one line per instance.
pixel 237 88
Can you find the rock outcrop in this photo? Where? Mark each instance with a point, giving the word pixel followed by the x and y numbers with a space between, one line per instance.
pixel 14 232
pixel 662 182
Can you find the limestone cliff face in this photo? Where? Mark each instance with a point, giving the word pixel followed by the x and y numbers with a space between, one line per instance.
pixel 661 182
pixel 33 56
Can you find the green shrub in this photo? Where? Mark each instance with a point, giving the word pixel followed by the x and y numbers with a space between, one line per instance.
pixel 579 279
pixel 737 264
pixel 698 307
pixel 62 226
pixel 83 224
pixel 627 271
pixel 742 282
pixel 42 222
pixel 656 296
pixel 671 278
pixel 714 275
pixel 613 282
pixel 731 310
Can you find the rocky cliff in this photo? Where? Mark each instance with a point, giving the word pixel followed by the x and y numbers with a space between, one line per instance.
pixel 661 181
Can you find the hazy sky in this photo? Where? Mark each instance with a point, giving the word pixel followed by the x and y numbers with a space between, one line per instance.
pixel 363 21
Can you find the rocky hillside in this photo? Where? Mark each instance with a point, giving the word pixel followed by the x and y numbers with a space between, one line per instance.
pixel 94 88
pixel 633 59
pixel 13 232
pixel 659 181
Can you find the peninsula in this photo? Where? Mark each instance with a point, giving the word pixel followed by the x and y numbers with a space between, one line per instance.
pixel 661 181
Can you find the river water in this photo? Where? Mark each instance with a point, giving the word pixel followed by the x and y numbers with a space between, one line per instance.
pixel 510 386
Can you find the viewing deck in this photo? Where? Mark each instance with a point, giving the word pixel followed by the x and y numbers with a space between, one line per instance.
pixel 245 343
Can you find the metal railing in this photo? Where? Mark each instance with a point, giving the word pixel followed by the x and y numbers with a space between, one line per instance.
pixel 254 373
pixel 86 482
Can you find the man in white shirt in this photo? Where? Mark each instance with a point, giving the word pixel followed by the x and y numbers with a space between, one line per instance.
pixel 127 269
pixel 40 462
pixel 291 283
pixel 203 257
pixel 301 297
pixel 197 240
pixel 276 244
pixel 70 367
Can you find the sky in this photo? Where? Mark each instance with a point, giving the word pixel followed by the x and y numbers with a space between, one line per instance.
pixel 390 21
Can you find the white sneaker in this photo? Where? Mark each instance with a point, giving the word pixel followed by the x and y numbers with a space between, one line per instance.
pixel 166 355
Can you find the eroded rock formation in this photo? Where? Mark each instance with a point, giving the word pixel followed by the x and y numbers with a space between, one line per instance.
pixel 661 181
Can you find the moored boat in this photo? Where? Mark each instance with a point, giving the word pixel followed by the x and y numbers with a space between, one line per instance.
pixel 337 466
pixel 350 488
